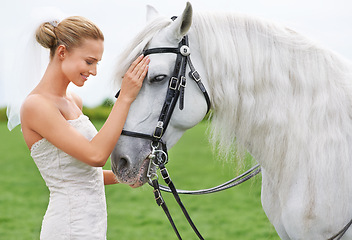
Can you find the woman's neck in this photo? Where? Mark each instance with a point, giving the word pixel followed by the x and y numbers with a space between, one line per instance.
pixel 54 82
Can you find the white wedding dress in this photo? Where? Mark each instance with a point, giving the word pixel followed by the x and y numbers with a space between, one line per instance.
pixel 77 205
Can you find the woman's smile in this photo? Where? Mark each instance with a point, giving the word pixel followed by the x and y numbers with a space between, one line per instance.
pixel 85 77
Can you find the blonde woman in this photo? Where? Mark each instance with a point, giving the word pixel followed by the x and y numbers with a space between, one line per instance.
pixel 64 144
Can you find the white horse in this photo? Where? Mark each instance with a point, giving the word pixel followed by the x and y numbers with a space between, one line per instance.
pixel 273 92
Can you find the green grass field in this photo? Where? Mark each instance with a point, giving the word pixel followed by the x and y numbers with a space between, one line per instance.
pixel 133 213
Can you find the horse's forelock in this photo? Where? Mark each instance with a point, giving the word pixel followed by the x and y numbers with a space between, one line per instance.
pixel 138 44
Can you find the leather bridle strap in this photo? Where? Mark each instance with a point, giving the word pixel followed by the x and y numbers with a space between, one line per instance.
pixel 161 50
pixel 174 93
pixel 196 77
pixel 167 179
pixel 139 135
pixel 193 73
pixel 160 201
pixel 176 82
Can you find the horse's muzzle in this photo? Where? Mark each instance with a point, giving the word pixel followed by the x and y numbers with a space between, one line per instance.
pixel 126 172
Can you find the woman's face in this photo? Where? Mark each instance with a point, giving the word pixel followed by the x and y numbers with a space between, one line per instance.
pixel 81 62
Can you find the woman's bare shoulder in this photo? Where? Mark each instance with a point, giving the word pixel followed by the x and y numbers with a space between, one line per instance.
pixel 35 101
pixel 36 105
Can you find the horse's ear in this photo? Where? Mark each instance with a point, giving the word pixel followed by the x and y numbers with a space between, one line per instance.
pixel 151 13
pixel 182 23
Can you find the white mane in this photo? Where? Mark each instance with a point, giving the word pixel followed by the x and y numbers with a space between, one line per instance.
pixel 276 93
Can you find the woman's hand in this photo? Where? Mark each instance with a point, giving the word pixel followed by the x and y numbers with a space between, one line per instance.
pixel 133 78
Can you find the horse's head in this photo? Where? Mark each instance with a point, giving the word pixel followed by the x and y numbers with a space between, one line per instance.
pixel 130 156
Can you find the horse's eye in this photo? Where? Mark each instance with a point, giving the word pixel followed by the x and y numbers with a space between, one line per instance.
pixel 159 78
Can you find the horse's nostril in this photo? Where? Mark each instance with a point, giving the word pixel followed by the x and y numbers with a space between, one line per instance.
pixel 123 163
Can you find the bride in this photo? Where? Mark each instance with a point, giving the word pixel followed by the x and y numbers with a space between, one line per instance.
pixel 67 149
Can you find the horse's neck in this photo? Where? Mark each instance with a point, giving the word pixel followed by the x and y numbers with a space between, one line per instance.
pixel 271 91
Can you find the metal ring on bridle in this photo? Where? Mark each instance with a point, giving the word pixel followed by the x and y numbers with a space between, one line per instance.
pixel 154 147
pixel 160 158
pixel 153 176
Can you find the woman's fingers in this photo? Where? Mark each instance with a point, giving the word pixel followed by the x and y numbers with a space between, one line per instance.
pixel 133 79
pixel 140 65
pixel 135 63
pixel 142 68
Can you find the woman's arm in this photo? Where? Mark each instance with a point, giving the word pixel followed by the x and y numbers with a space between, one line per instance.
pixel 109 177
pixel 44 118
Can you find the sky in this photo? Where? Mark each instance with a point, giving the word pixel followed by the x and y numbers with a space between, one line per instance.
pixel 328 22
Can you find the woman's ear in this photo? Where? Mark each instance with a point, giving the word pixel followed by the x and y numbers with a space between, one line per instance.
pixel 61 52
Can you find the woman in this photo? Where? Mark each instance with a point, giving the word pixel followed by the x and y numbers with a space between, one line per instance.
pixel 64 144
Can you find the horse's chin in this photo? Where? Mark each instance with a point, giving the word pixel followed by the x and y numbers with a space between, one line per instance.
pixel 140 178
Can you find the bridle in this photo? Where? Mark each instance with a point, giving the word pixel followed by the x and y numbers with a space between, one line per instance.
pixel 175 91
pixel 159 156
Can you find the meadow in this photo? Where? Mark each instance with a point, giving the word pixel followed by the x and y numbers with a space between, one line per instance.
pixel 133 213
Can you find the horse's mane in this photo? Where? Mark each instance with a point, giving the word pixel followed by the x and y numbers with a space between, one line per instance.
pixel 276 93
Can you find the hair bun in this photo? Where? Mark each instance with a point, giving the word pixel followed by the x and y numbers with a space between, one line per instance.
pixel 45 34
pixel 69 32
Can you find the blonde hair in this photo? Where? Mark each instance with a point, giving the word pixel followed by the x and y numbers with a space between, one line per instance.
pixel 70 32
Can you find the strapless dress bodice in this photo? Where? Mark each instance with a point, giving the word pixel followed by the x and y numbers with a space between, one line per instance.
pixel 77 205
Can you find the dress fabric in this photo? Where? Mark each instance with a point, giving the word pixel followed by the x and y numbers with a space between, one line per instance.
pixel 77 205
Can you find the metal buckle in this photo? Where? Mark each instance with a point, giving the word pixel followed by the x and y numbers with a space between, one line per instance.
pixel 173 83
pixel 196 76
pixel 157 194
pixel 159 130
pixel 183 82
pixel 164 173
